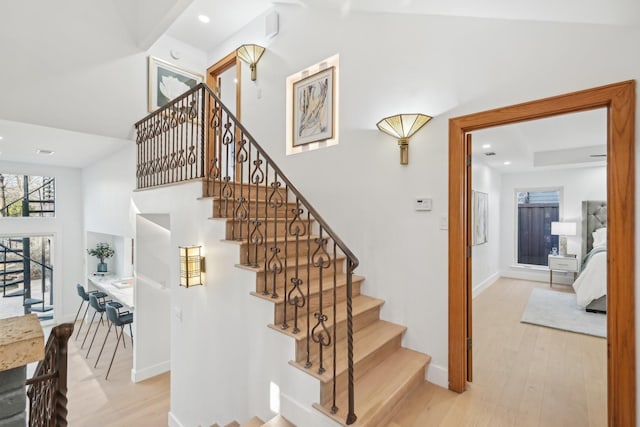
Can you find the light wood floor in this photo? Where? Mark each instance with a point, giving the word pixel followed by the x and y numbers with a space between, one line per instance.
pixel 524 375
pixel 94 401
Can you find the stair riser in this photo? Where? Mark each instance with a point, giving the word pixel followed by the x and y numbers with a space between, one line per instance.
pixel 239 230
pixel 341 295
pixel 233 190
pixel 249 257
pixel 379 420
pixel 231 209
pixel 314 273
pixel 360 321
pixel 360 368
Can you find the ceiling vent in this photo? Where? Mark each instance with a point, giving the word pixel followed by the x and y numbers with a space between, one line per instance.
pixel 44 152
pixel 490 153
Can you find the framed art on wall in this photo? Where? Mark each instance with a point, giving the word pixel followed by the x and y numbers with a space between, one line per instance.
pixel 479 218
pixel 313 108
pixel 167 81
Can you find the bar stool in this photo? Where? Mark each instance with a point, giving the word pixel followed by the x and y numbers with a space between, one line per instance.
pixel 99 308
pixel 85 297
pixel 117 319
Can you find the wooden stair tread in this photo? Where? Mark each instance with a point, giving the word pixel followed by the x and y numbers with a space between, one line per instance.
pixel 360 304
pixel 368 340
pixel 278 421
pixel 233 424
pixel 253 422
pixel 270 239
pixel 381 388
pixel 314 287
pixel 291 263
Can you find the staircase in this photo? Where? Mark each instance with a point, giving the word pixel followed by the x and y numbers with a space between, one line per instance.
pixel 384 371
pixel 301 266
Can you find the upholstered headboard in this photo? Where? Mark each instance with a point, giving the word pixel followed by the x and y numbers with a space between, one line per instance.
pixel 594 216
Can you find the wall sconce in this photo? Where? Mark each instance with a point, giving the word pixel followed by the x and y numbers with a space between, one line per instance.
pixel 403 126
pixel 251 54
pixel 191 266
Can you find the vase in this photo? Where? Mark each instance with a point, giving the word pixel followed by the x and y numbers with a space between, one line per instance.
pixel 102 267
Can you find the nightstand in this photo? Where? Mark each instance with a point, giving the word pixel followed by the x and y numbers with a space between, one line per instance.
pixel 562 263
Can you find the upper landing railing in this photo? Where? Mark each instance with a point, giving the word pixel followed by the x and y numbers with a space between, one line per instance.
pixel 301 262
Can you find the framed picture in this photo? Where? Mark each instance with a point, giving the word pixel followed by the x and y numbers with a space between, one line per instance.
pixel 166 82
pixel 480 217
pixel 313 108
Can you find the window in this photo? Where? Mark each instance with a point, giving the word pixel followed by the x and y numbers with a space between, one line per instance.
pixel 536 211
pixel 27 196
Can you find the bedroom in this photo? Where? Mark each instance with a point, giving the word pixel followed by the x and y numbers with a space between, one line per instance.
pixel 531 370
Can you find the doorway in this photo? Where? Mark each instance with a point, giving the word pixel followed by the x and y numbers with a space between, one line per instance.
pixel 619 100
pixel 224 78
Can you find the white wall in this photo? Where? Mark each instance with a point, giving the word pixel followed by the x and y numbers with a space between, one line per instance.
pixel 576 185
pixel 486 257
pixel 441 66
pixel 66 229
pixel 152 355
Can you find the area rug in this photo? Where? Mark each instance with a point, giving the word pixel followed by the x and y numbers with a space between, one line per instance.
pixel 559 310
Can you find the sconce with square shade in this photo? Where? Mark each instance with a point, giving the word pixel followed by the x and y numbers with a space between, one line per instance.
pixel 403 126
pixel 563 229
pixel 191 266
pixel 251 54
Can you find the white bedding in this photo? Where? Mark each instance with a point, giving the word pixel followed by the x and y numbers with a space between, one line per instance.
pixel 592 282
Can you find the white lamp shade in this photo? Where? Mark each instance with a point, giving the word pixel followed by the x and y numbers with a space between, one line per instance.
pixel 563 228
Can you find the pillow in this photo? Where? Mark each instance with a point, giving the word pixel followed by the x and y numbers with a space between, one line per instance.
pixel 600 237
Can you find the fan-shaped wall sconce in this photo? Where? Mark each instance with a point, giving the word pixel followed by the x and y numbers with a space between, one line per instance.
pixel 251 54
pixel 403 126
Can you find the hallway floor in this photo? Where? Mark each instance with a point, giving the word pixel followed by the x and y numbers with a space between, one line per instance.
pixel 524 375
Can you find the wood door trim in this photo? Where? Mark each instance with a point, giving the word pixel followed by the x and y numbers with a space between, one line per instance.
pixel 619 99
pixel 220 67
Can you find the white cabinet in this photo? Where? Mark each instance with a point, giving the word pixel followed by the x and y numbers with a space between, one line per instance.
pixel 562 263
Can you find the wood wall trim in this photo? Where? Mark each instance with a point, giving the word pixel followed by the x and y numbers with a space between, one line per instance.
pixel 619 99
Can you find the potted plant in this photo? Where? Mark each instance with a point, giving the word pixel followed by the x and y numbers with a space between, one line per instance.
pixel 102 251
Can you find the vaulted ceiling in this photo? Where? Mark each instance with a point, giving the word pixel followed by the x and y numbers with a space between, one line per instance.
pixel 75 64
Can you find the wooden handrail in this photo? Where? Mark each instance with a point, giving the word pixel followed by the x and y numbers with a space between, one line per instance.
pixel 47 389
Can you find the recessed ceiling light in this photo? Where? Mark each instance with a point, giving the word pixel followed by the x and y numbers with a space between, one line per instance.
pixel 507 163
pixel 204 19
pixel 44 152
pixel 485 146
pixel 1 138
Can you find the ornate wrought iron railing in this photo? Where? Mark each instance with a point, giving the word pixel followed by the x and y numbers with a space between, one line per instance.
pixel 47 389
pixel 301 262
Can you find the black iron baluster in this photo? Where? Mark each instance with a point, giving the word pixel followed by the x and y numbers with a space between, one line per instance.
pixel 258 237
pixel 320 334
pixel 334 407
pixel 308 364
pixel 203 140
pixel 351 417
pixel 265 291
pixel 249 238
pixel 286 258
pixel 241 212
pixel 296 228
pixel 275 202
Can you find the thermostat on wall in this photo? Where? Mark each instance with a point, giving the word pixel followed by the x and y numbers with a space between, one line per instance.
pixel 423 204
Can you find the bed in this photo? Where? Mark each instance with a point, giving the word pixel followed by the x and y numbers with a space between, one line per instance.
pixel 591 284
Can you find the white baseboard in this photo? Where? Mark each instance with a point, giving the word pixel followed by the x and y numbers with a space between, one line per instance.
pixel 151 371
pixel 173 420
pixel 438 375
pixel 482 286
pixel 538 275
